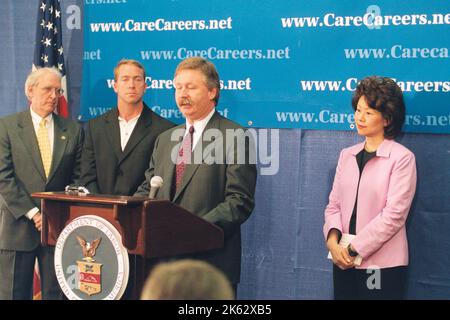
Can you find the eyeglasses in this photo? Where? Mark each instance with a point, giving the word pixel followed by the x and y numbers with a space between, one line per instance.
pixel 48 90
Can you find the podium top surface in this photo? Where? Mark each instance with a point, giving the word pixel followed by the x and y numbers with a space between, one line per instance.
pixel 91 198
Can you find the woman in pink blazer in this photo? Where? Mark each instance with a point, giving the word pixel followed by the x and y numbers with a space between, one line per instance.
pixel 372 192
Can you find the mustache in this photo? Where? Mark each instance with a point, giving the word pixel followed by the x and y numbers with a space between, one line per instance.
pixel 185 101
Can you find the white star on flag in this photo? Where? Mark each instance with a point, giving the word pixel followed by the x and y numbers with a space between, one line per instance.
pixel 48 55
pixel 49 47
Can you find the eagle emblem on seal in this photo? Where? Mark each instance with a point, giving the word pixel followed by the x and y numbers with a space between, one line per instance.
pixel 89 248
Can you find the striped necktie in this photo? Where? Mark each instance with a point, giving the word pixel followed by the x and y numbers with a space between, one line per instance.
pixel 184 156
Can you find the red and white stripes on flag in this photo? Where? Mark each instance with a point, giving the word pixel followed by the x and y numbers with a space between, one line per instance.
pixel 49 52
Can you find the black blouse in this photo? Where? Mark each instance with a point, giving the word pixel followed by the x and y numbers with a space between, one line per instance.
pixel 361 158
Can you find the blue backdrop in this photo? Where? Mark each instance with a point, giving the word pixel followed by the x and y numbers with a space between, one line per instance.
pixel 283 63
pixel 284 255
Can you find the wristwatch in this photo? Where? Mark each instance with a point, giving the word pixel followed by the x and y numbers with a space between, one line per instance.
pixel 351 253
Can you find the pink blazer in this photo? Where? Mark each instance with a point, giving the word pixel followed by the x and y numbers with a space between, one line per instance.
pixel 386 190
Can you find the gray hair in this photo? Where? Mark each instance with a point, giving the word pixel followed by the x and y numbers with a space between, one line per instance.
pixel 187 280
pixel 34 76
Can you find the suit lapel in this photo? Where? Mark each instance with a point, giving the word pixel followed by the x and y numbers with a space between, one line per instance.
pixel 28 135
pixel 139 132
pixel 190 169
pixel 112 132
pixel 169 170
pixel 60 139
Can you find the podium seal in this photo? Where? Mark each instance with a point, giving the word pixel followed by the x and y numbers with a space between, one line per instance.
pixel 90 261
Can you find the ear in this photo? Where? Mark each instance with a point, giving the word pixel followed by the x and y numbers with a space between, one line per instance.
pixel 212 93
pixel 30 92
pixel 386 122
pixel 115 86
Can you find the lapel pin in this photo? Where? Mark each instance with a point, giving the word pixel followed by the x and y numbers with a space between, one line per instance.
pixel 63 137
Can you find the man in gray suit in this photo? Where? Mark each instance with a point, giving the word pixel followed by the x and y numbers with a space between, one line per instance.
pixel 119 143
pixel 211 182
pixel 39 151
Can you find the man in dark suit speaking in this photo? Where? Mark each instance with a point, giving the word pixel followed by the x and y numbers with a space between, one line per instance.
pixel 209 172
pixel 119 143
pixel 39 151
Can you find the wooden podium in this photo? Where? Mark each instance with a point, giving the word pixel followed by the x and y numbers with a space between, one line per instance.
pixel 150 229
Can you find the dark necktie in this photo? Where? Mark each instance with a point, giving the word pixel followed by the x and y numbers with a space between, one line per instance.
pixel 184 155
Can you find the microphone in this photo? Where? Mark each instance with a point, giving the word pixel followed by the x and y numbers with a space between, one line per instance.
pixel 155 183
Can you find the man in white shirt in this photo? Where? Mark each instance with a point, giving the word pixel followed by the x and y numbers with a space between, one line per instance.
pixel 39 151
pixel 119 143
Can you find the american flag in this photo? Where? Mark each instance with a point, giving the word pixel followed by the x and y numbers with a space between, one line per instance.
pixel 49 50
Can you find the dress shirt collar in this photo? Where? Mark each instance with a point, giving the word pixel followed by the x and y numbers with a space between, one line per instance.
pixel 200 125
pixel 37 118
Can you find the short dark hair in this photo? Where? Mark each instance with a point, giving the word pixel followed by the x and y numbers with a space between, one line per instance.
pixel 207 68
pixel 384 95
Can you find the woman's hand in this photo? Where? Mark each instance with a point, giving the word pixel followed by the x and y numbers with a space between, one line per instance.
pixel 340 255
pixel 341 258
